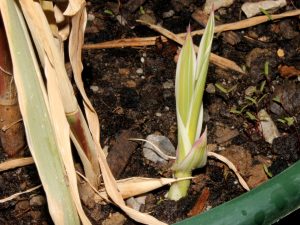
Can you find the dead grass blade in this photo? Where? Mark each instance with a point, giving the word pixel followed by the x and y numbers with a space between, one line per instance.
pixel 76 40
pixel 139 42
pixel 73 7
pixel 231 166
pixel 14 163
pixel 35 111
pixel 247 22
pixel 19 193
pixel 126 42
pixel 63 136
pixel 52 52
pixel 35 15
pixel 215 59
pixel 139 185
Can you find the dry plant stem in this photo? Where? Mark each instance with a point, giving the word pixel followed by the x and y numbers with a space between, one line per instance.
pixel 138 42
pixel 209 153
pixel 14 163
pixel 231 166
pixel 78 22
pixel 13 138
pixel 83 127
pixel 215 59
pixel 18 194
pixel 55 67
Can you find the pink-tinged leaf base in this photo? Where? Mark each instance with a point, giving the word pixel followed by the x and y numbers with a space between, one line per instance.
pixel 197 156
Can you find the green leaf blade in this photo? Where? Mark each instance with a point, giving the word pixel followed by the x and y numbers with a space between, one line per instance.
pixel 201 74
pixel 185 71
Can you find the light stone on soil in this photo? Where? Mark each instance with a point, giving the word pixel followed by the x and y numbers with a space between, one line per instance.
pixel 94 88
pixel 139 71
pixel 163 143
pixel 168 84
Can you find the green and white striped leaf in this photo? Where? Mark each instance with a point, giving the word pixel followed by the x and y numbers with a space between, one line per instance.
pixel 197 156
pixel 190 81
pixel 201 73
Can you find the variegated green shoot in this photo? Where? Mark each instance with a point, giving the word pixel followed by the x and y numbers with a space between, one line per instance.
pixel 190 81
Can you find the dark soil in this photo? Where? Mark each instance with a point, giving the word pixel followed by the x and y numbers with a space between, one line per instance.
pixel 128 87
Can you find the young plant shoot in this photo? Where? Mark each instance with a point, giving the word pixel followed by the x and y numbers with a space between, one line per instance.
pixel 189 87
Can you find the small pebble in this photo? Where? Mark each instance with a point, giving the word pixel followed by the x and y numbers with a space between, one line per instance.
pixel 220 148
pixel 37 200
pixel 208 207
pixel 250 91
pixel 168 14
pixel 139 71
pixel 94 88
pixel 280 53
pixel 158 114
pixel 90 17
pixel 136 203
pixel 211 89
pixel 142 59
pixel 168 84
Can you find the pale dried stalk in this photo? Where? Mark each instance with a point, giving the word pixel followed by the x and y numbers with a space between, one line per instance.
pixel 14 163
pixel 56 68
pixel 78 24
pixel 18 194
pixel 215 59
pixel 134 186
pixel 56 79
pixel 231 166
pixel 139 42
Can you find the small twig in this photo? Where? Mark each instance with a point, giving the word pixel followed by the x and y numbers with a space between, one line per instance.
pixel 5 71
pixel 14 163
pixel 231 166
pixel 8 126
pixel 209 153
pixel 138 42
pixel 217 60
pixel 18 194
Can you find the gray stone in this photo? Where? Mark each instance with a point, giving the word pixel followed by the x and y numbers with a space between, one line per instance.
pixel 254 8
pixel 163 143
